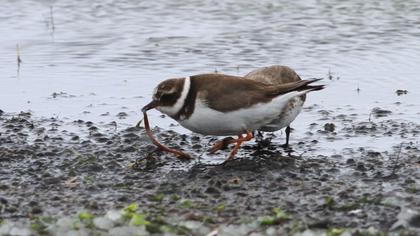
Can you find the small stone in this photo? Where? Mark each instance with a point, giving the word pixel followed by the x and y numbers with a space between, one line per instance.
pixel 3 200
pixel 93 128
pixel 192 224
pixel 64 223
pixel 415 221
pixel 122 115
pixel 52 180
pixel 407 181
pixel 5 228
pixel 213 190
pixel 127 231
pixel 73 233
pixel 311 232
pixel 329 127
pixel 271 231
pixel 36 210
pixel 324 177
pixel 102 140
pixel 129 149
pixel 21 231
pixel 350 161
pixel 360 166
pixel 373 154
pixel 94 167
pixel 379 112
pixel 114 215
pixel 196 146
pixel 103 223
pixel 400 92
pixel 234 230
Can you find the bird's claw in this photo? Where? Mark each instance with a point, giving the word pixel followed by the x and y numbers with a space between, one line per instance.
pixel 221 144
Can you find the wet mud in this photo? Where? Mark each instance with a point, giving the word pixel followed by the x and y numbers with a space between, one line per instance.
pixel 74 165
pixel 55 168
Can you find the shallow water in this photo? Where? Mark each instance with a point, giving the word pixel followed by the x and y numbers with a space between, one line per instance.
pixel 92 60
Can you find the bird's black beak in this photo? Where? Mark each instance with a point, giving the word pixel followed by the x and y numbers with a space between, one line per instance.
pixel 149 106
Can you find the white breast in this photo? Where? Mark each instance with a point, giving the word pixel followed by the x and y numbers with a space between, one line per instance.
pixel 207 121
pixel 287 116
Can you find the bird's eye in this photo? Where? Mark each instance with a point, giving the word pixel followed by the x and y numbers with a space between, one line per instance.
pixel 157 95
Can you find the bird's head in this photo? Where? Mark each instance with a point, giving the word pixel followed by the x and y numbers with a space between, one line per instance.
pixel 167 95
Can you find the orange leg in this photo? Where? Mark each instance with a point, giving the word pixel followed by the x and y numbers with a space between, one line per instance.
pixel 222 144
pixel 239 141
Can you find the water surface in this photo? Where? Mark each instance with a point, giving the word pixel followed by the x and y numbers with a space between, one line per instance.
pixel 92 60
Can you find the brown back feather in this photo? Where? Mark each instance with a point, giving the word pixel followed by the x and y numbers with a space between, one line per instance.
pixel 273 75
pixel 236 92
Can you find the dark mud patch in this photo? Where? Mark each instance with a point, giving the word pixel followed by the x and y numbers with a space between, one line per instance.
pixel 379 112
pixel 49 167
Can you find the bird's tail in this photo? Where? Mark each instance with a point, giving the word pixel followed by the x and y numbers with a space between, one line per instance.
pixel 302 87
pixel 309 87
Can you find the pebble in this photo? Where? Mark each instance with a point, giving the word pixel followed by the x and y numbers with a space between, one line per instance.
pixel 329 127
pixel 103 223
pixel 114 215
pixel 128 231
pixel 379 112
pixel 19 231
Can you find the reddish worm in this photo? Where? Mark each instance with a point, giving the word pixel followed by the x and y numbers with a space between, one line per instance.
pixel 178 153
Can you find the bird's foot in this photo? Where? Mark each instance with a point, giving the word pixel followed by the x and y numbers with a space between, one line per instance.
pixel 239 141
pixel 259 136
pixel 287 148
pixel 222 144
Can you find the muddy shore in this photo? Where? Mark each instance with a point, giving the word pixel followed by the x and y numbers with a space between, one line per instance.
pixel 51 175
pixel 74 164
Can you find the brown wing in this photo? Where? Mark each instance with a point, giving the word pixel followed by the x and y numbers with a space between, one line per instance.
pixel 233 92
pixel 276 74
pixel 226 93
pixel 273 75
